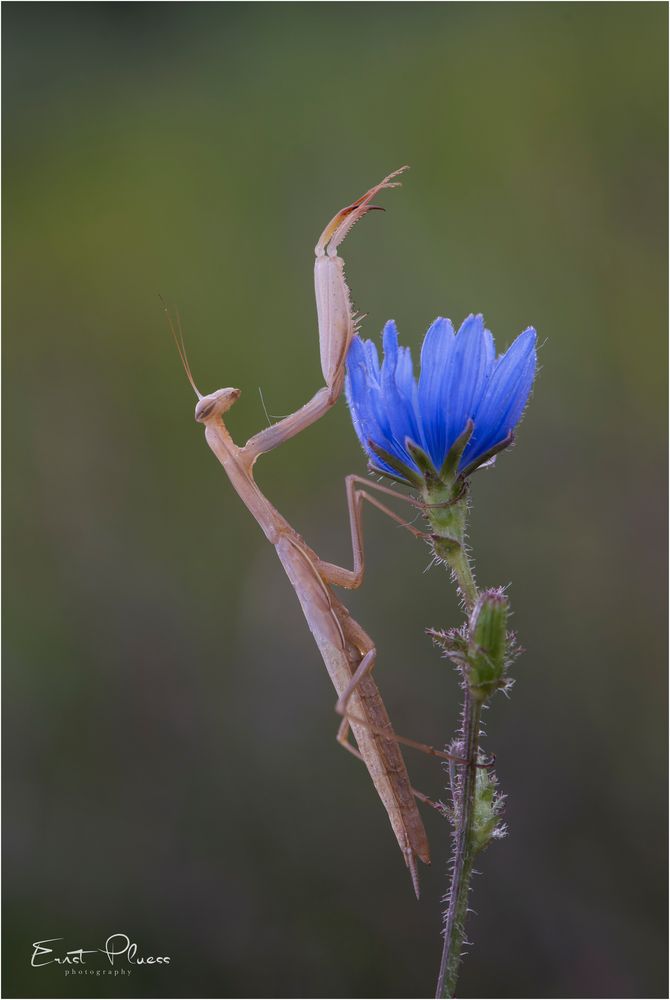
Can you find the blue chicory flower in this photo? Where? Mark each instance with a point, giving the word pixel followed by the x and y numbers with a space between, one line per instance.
pixel 461 379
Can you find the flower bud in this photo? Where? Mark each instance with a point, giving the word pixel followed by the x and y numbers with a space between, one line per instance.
pixel 487 648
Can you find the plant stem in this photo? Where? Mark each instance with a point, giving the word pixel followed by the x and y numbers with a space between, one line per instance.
pixel 447 516
pixel 454 927
pixel 462 570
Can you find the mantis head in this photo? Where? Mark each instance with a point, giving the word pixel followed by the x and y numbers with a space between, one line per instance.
pixel 215 404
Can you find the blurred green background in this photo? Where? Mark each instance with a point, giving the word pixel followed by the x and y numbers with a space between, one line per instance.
pixel 170 763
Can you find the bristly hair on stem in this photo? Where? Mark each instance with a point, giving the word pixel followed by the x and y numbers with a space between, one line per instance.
pixel 463 809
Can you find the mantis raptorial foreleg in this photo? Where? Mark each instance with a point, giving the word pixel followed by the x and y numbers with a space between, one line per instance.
pixel 336 320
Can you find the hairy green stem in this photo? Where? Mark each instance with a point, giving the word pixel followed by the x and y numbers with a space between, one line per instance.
pixel 454 926
pixel 462 569
pixel 447 515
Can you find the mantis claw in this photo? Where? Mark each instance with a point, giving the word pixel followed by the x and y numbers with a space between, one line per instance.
pixel 340 225
pixel 337 325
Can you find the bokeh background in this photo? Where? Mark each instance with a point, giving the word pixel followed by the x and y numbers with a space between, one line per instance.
pixel 170 763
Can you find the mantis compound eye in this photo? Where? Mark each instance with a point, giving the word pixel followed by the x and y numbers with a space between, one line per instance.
pixel 216 403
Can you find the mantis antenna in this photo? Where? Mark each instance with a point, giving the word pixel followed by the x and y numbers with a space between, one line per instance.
pixel 178 337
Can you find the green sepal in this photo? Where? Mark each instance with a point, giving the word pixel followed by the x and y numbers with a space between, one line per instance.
pixel 422 460
pixel 455 453
pixel 375 470
pixel 453 641
pixel 408 476
pixel 488 455
pixel 488 804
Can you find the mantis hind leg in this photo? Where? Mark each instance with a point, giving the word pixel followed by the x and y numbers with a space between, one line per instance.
pixel 364 668
pixel 342 738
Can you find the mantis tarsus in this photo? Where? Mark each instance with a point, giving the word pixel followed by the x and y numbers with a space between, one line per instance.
pixel 348 652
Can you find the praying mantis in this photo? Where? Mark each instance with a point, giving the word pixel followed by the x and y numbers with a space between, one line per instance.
pixel 347 651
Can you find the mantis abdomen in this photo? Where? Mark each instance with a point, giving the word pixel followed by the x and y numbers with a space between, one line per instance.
pixel 343 644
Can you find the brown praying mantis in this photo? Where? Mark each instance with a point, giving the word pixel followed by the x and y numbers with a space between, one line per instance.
pixel 348 652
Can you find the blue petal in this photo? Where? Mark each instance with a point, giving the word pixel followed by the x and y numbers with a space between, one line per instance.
pixel 400 395
pixel 505 397
pixel 467 375
pixel 397 408
pixel 435 354
pixel 390 346
pixel 393 407
pixel 363 394
pixel 356 389
pixel 411 392
pixel 372 357
pixel 373 415
pixel 404 373
pixel 490 348
pixel 359 352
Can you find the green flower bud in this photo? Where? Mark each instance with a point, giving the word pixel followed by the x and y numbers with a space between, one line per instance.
pixel 487 648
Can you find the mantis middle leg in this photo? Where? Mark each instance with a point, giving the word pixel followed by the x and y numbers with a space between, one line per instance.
pixel 356 488
pixel 357 491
